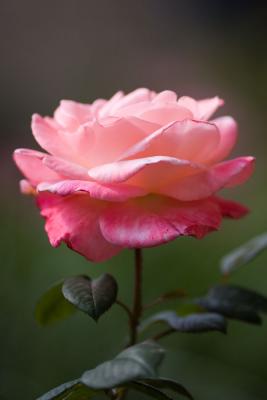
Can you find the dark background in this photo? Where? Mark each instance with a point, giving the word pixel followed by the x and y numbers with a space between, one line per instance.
pixel 86 49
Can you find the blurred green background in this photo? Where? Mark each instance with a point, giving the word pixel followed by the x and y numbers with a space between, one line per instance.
pixel 90 48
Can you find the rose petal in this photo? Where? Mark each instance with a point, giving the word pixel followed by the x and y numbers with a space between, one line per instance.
pixel 71 114
pixel 114 136
pixel 228 135
pixel 95 189
pixel 65 168
pixel 202 109
pixel 150 172
pixel 165 96
pixel 231 209
pixel 207 107
pixel 190 140
pixel 48 137
pixel 75 221
pixel 154 220
pixel 121 101
pixel 166 113
pixel 204 184
pixel 30 164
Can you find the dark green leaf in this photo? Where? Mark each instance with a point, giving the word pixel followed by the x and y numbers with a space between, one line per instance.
pixel 70 391
pixel 163 383
pixel 235 302
pixel 202 322
pixel 92 296
pixel 52 306
pixel 136 362
pixel 243 254
pixel 149 390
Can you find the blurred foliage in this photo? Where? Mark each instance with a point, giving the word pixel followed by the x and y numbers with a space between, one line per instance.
pixel 89 49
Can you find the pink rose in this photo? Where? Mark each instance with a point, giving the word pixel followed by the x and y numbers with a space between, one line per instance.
pixel 137 170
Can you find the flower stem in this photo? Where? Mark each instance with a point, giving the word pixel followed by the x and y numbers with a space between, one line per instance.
pixel 137 302
pixel 163 334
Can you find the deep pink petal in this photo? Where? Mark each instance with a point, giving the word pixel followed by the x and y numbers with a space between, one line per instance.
pixel 75 220
pixel 204 184
pixel 156 220
pixel 96 190
pixel 30 163
pixel 231 209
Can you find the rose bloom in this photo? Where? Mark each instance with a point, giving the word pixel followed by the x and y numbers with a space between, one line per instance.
pixel 134 171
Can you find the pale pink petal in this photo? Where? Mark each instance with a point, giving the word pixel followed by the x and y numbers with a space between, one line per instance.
pixel 228 135
pixel 114 136
pixel 30 163
pixel 65 168
pixel 231 209
pixel 150 172
pixel 137 96
pixel 96 190
pixel 70 114
pixel 106 110
pixel 164 114
pixel 97 105
pixel 80 144
pixel 155 220
pixel 189 103
pixel 204 184
pixel 207 107
pixel 165 96
pixel 75 220
pixel 201 109
pixel 26 187
pixel 191 140
pixel 48 137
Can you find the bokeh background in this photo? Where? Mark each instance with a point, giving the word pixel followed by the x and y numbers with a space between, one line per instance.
pixel 85 49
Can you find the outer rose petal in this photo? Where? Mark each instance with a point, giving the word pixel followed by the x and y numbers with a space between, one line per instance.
pixel 155 220
pixel 231 208
pixel 75 221
pixel 204 184
pixel 31 165
pixel 95 189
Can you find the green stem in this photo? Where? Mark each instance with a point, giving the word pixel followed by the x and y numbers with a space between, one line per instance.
pixel 125 308
pixel 137 302
pixel 163 334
